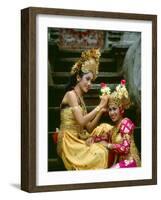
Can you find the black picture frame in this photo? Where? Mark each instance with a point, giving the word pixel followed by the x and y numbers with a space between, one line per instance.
pixel 28 98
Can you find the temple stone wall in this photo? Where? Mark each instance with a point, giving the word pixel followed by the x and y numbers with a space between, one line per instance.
pixel 132 67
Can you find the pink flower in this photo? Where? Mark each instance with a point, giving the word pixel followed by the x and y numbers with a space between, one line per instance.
pixel 103 85
pixel 123 82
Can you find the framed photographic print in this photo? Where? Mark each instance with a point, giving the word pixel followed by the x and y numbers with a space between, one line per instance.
pixel 73 63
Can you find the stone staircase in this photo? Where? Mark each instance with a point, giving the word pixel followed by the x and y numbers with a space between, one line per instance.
pixel 61 61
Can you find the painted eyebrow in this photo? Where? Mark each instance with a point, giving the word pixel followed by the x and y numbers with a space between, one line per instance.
pixel 89 78
pixel 113 108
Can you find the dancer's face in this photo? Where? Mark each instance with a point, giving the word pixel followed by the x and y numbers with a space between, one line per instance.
pixel 86 82
pixel 114 112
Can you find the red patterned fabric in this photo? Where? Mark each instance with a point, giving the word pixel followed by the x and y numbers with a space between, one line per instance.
pixel 80 39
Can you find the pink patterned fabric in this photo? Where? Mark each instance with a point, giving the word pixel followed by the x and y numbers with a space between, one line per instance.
pixel 122 148
pixel 125 164
pixel 126 126
pixel 100 138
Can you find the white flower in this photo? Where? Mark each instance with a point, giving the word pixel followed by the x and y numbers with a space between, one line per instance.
pixel 105 90
pixel 118 87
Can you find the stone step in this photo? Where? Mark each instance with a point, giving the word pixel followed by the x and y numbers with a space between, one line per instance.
pixel 101 74
pixel 73 60
pixel 62 52
pixel 62 64
pixel 93 87
pixel 108 77
pixel 55 164
pixel 114 38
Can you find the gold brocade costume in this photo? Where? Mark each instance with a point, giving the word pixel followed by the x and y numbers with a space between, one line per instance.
pixel 75 153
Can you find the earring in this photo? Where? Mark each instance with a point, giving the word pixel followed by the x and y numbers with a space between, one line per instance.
pixel 122 111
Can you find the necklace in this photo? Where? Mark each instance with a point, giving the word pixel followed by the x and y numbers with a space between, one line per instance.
pixel 115 131
pixel 81 101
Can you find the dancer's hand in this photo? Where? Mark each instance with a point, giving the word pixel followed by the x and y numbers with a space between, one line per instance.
pixel 89 141
pixel 104 143
pixel 104 110
pixel 104 101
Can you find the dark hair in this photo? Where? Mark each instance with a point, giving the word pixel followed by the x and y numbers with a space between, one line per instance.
pixel 73 81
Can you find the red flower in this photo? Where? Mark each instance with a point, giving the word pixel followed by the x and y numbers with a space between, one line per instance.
pixel 103 85
pixel 123 82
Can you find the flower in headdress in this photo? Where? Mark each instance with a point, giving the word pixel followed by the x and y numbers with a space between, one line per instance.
pixel 103 85
pixel 104 89
pixel 120 96
pixel 123 82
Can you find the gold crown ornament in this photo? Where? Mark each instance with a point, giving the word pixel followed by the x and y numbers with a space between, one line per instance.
pixel 83 65
pixel 120 96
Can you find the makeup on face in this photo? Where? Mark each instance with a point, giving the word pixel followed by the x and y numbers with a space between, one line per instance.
pixel 114 112
pixel 86 82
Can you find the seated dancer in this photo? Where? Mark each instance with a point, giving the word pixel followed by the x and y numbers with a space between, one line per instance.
pixel 119 140
pixel 76 124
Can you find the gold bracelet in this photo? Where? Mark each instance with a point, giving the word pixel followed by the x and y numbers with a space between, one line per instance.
pixel 109 146
pixel 98 108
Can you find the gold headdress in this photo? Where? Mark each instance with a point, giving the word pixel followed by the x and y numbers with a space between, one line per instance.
pixel 120 96
pixel 81 63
